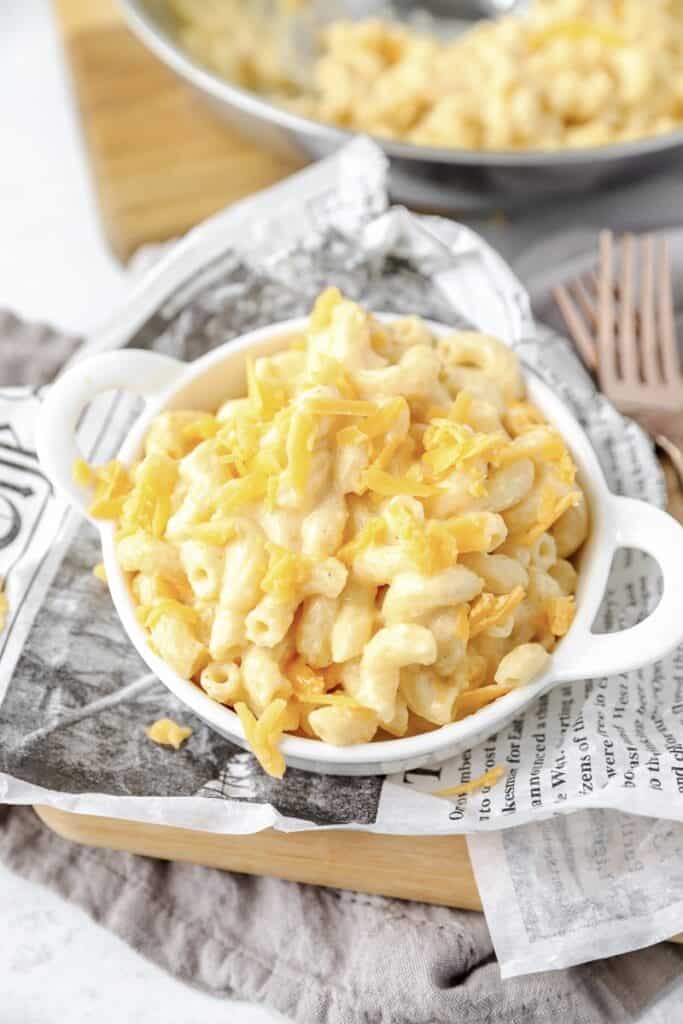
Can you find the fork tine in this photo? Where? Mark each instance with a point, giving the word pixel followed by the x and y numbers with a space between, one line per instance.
pixel 587 300
pixel 666 322
pixel 626 338
pixel 576 325
pixel 648 334
pixel 605 345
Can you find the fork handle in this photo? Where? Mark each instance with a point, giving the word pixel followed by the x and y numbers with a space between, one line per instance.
pixel 588 655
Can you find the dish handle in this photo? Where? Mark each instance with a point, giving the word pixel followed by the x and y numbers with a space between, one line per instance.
pixel 590 655
pixel 134 370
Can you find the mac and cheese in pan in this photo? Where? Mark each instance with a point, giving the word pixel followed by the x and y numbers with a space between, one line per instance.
pixel 567 73
pixel 374 541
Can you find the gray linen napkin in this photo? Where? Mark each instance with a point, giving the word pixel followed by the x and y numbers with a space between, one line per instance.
pixel 319 956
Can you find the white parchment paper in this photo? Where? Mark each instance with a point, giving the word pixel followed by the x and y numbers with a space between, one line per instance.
pixel 75 697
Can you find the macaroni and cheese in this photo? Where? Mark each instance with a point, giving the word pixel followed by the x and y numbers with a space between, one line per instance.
pixel 567 73
pixel 375 540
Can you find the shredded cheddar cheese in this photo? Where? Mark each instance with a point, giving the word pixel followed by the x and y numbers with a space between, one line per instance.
pixel 304 679
pixel 383 417
pixel 286 573
pixel 560 612
pixel 171 608
pixel 488 779
pixel 473 700
pixel 574 29
pixel 374 532
pixel 82 473
pixel 218 532
pixel 522 416
pixel 263 734
pixel 168 733
pixel 340 407
pixel 323 308
pixel 329 372
pixel 112 484
pixel 460 409
pixel 552 507
pixel 341 700
pixel 462 625
pixel 382 483
pixel 539 443
pixel 431 546
pixel 299 449
pixel 201 429
pixel 100 572
pixel 242 491
pixel 488 610
pixel 448 445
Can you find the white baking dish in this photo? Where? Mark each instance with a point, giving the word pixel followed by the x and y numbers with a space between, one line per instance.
pixel 615 522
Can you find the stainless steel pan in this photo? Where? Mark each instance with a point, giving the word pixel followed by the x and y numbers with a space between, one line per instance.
pixel 425 177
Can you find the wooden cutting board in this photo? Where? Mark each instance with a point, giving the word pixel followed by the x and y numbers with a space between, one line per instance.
pixel 433 869
pixel 161 160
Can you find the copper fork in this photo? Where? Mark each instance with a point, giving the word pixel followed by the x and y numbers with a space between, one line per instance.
pixel 623 325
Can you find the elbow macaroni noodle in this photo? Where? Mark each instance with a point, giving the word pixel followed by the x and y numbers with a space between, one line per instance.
pixel 295 553
pixel 567 73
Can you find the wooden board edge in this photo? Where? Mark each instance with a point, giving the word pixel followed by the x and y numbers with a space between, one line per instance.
pixel 339 859
pixel 430 869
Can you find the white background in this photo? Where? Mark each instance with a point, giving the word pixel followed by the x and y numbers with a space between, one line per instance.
pixel 55 964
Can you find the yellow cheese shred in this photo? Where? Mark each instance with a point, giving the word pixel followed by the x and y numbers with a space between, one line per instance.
pixel 342 700
pixel 173 608
pixel 379 423
pixel 242 491
pixel 560 612
pixel 299 449
pixel 382 483
pixel 303 678
pixel 488 609
pixel 539 442
pixel 286 573
pixel 83 475
pixel 431 546
pixel 460 409
pixel 462 624
pixel 263 735
pixel 218 532
pixel 575 29
pixel 473 700
pixel 352 435
pixel 168 733
pixel 448 445
pixel 330 372
pixel 4 606
pixel 489 778
pixel 112 484
pixel 374 532
pixel 549 512
pixel 202 428
pixel 340 407
pixel 321 314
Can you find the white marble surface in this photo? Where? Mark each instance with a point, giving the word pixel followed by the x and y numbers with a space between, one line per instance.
pixel 58 966
pixel 55 964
